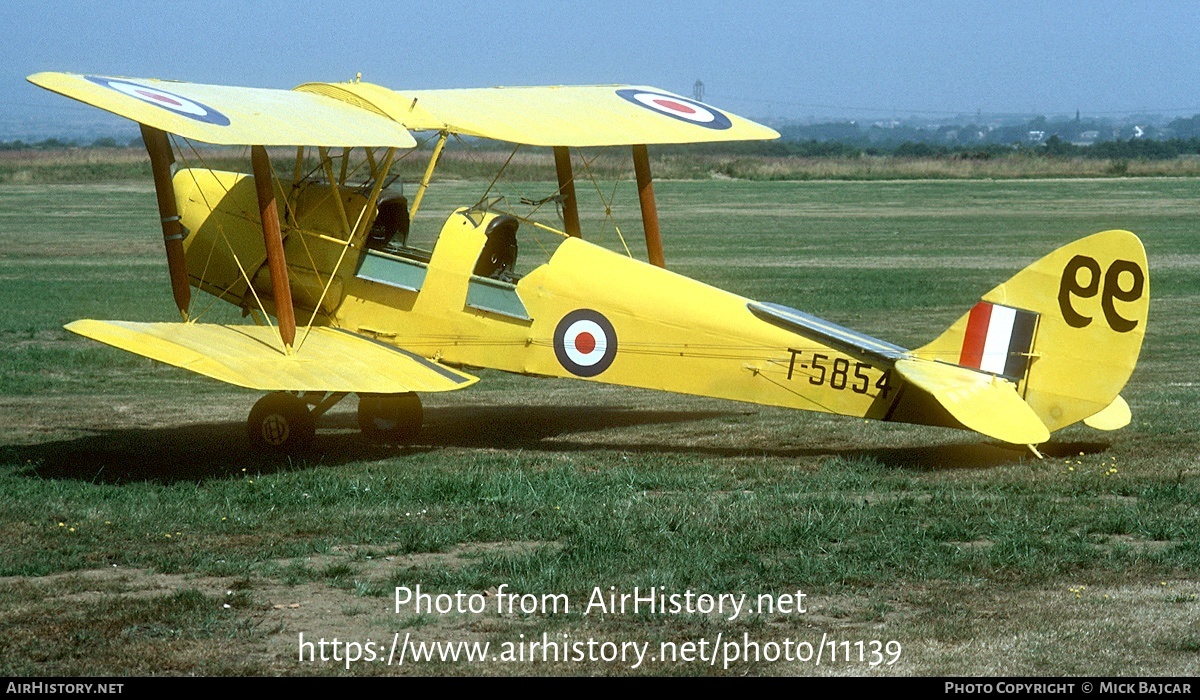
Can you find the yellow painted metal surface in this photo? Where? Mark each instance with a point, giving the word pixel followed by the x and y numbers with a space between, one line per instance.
pixel 229 115
pixel 252 357
pixel 576 115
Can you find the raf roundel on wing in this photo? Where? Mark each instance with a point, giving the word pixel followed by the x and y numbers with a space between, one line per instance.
pixel 678 107
pixel 585 343
pixel 167 100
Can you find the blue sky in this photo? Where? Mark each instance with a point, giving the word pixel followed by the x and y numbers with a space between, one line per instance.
pixel 759 59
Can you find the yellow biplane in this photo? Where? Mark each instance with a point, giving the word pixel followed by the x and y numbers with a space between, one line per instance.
pixel 387 320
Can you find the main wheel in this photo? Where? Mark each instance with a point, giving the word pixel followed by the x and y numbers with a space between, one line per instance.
pixel 390 418
pixel 281 423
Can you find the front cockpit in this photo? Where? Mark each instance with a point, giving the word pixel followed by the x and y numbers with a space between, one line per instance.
pixel 392 222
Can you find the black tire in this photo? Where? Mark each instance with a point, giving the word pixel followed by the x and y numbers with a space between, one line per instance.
pixel 394 418
pixel 280 423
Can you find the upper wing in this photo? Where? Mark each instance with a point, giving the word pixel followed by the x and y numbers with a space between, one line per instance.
pixel 577 116
pixel 250 356
pixel 228 115
pixel 363 114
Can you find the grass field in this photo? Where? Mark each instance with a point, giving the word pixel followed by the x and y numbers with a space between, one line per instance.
pixel 142 539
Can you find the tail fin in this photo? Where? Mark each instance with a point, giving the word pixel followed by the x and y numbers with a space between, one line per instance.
pixel 1067 329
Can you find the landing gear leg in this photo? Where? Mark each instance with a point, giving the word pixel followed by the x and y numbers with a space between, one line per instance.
pixel 393 418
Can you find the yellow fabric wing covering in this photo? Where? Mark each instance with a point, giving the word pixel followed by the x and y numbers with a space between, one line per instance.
pixel 982 402
pixel 330 359
pixel 572 115
pixel 229 115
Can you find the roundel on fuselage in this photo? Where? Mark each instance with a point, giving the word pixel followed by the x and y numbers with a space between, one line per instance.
pixel 585 343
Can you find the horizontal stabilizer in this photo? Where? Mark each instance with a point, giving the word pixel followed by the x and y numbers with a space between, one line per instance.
pixel 330 359
pixel 228 115
pixel 982 402
pixel 1114 417
pixel 832 334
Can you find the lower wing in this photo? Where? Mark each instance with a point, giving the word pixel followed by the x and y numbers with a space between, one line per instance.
pixel 330 360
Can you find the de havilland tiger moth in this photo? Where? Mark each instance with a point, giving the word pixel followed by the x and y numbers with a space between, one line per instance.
pixel 341 302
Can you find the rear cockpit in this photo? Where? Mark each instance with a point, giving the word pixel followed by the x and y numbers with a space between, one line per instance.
pixel 498 260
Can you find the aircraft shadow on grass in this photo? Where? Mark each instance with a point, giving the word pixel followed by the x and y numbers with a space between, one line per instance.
pixel 198 452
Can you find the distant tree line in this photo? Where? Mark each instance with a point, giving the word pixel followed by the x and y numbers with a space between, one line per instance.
pixel 1038 136
pixel 1139 149
pixel 56 144
pixel 1009 132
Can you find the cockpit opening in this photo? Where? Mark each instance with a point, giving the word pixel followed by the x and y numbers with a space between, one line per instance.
pixel 498 260
pixel 391 224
